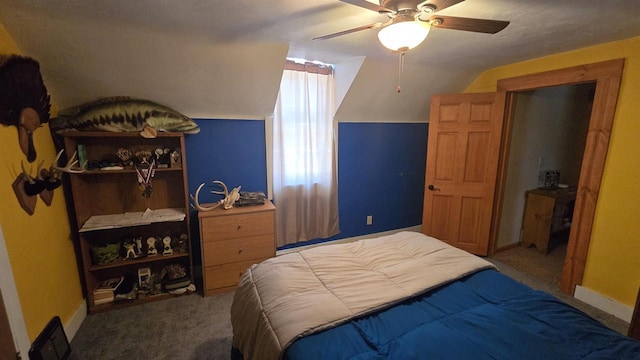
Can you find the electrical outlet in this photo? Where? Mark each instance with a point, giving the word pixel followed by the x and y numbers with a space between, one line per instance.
pixel 369 219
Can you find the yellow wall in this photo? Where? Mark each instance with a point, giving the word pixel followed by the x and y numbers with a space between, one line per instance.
pixel 39 246
pixel 613 264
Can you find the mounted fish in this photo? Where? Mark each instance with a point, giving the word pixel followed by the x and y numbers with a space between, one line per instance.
pixel 121 114
pixel 24 101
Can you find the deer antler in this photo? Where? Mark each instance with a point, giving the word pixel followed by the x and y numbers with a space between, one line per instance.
pixel 225 192
pixel 32 186
pixel 27 175
pixel 196 203
pixel 69 168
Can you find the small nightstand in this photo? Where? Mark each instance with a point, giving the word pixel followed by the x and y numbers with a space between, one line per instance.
pixel 546 212
pixel 232 240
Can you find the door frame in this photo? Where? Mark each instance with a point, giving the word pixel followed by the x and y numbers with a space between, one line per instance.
pixel 607 75
pixel 11 301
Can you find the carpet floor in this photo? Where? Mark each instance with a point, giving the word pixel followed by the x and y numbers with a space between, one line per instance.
pixel 193 327
pixel 547 268
pixel 186 327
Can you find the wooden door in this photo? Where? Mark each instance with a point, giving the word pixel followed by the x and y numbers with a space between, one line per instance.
pixel 465 131
pixel 7 345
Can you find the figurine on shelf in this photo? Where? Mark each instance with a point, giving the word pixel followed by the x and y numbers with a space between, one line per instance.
pixel 175 160
pixel 167 250
pixel 131 253
pixel 138 241
pixel 151 243
pixel 129 249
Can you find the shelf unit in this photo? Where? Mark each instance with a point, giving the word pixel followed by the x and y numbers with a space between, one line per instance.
pixel 108 207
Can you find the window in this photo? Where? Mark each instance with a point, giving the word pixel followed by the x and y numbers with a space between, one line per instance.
pixel 304 154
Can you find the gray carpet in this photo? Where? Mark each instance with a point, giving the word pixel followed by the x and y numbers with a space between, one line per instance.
pixel 193 327
pixel 186 327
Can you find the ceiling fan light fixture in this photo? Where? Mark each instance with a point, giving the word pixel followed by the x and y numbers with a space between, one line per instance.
pixel 405 34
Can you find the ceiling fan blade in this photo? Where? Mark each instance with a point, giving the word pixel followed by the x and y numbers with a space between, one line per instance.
pixel 345 32
pixel 468 24
pixel 443 4
pixel 369 6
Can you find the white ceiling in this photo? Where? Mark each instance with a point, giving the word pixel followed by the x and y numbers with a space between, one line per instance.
pixel 223 59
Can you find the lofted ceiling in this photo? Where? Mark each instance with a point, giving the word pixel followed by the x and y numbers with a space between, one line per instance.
pixel 224 59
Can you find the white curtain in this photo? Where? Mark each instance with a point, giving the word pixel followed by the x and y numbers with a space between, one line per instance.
pixel 305 183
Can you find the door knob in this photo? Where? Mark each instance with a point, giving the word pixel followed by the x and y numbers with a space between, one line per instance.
pixel 433 188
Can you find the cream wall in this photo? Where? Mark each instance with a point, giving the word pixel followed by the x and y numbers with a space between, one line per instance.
pixel 39 246
pixel 613 264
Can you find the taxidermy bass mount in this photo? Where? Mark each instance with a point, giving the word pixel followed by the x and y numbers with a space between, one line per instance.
pixel 122 113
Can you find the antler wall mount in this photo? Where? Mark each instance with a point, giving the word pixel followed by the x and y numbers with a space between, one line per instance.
pixel 28 187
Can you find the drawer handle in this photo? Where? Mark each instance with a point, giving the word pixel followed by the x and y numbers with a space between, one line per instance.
pixel 239 226
pixel 240 251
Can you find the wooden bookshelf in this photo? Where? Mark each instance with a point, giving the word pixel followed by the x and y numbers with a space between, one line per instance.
pixel 108 207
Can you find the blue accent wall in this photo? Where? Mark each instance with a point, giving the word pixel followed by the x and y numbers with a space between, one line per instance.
pixel 381 168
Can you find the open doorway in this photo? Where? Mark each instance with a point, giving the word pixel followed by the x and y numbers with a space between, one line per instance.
pixel 548 136
pixel 607 76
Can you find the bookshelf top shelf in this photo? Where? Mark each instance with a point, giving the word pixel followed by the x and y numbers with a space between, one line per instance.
pixel 107 134
pixel 130 219
pixel 122 171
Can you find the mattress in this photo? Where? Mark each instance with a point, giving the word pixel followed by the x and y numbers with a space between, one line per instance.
pixel 406 296
pixel 486 315
pixel 297 294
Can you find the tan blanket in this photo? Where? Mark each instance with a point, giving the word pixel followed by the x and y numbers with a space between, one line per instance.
pixel 301 293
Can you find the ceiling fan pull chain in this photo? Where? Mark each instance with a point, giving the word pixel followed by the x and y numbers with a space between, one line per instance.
pixel 400 68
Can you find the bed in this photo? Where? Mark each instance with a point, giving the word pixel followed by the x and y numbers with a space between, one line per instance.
pixel 406 296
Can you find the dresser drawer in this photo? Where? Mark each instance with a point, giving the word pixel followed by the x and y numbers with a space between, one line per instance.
pixel 220 276
pixel 236 226
pixel 240 249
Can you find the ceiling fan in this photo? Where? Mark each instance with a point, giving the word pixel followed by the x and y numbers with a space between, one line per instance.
pixel 411 20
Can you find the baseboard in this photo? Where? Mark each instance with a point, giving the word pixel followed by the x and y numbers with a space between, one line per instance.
pixel 417 228
pixel 72 326
pixel 604 303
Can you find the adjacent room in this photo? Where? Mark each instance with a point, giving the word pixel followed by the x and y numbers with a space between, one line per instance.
pixel 215 180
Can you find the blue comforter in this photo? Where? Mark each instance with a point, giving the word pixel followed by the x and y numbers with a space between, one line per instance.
pixel 484 316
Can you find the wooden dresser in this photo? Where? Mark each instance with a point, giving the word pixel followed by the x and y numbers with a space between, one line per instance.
pixel 546 212
pixel 232 240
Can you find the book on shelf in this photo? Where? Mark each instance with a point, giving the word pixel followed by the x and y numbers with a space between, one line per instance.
pixel 103 295
pixel 105 292
pixel 103 298
pixel 108 285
